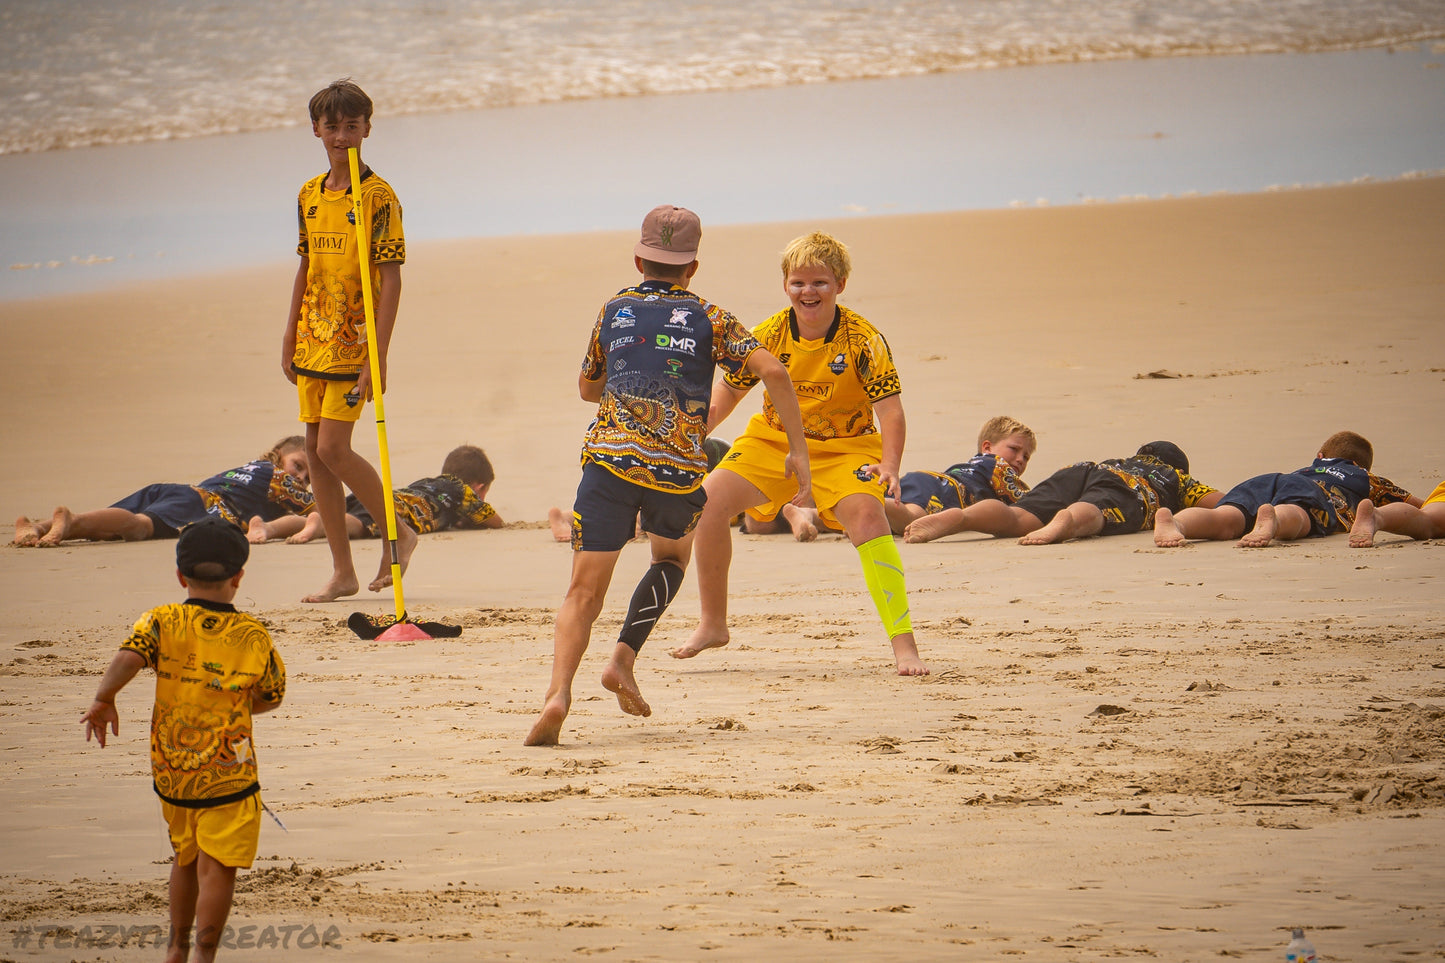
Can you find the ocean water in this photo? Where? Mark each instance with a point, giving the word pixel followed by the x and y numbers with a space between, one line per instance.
pixel 77 73
pixel 149 139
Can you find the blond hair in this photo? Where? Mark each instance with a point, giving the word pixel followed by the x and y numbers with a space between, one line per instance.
pixel 284 447
pixel 998 428
pixel 815 249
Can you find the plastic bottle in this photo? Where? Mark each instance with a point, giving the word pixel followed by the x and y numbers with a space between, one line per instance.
pixel 1300 950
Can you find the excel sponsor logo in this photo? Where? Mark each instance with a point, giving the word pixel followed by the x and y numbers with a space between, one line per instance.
pixel 668 343
pixel 334 243
pixel 623 342
pixel 812 389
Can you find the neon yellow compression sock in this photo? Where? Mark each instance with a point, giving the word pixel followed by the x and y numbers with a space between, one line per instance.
pixel 883 571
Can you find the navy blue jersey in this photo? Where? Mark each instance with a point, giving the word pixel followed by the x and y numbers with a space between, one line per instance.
pixel 256 488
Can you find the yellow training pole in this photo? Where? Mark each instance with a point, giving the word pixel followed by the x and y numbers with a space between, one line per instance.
pixel 363 250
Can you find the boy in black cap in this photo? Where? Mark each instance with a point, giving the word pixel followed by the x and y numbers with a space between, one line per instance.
pixel 215 667
pixel 1112 497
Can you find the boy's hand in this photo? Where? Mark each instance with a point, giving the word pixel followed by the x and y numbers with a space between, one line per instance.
pixel 286 368
pixel 97 717
pixel 888 476
pixel 797 466
pixel 363 381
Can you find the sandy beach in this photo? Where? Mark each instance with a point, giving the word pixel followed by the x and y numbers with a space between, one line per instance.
pixel 1122 752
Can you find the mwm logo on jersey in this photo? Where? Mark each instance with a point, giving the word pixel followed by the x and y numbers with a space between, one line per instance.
pixel 330 243
pixel 813 389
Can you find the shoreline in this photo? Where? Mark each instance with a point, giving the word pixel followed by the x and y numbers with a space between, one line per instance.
pixel 949 142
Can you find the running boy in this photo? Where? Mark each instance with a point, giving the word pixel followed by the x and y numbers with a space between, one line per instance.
pixel 1114 497
pixel 324 351
pixel 650 363
pixel 215 668
pixel 842 373
pixel 1005 446
pixel 1308 503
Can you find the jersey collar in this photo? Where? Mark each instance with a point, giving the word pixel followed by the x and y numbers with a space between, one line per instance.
pixel 832 328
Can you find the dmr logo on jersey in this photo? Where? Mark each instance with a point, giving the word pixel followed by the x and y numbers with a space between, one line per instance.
pixel 813 389
pixel 669 343
pixel 329 243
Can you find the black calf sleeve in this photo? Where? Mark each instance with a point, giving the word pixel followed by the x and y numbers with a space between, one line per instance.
pixel 650 599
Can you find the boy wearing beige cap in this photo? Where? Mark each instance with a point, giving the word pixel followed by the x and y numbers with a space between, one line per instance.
pixel 649 366
pixel 215 668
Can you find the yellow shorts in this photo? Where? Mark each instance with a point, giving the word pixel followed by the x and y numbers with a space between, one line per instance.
pixel 228 834
pixel 321 398
pixel 836 466
pixel 1438 495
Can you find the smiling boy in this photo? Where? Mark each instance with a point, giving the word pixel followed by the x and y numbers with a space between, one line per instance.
pixel 848 389
pixel 324 351
pixel 1005 446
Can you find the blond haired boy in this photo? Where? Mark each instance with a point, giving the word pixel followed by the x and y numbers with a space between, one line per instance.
pixel 1005 446
pixel 324 351
pixel 848 389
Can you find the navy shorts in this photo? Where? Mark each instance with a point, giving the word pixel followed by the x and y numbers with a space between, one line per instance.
pixel 928 490
pixel 169 507
pixel 1275 489
pixel 604 516
pixel 1124 511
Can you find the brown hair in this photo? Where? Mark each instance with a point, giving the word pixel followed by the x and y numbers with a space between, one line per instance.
pixel 470 464
pixel 997 429
pixel 1350 447
pixel 339 99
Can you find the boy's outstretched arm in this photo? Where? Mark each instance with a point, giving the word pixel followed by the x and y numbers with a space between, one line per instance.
pixel 785 402
pixel 893 426
pixel 102 709
pixel 288 338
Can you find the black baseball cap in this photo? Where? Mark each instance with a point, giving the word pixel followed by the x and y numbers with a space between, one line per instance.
pixel 211 550
pixel 1167 452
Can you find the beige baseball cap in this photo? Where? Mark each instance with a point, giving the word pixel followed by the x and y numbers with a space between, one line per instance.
pixel 670 235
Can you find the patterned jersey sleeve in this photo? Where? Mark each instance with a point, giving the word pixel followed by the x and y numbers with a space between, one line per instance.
pixel 1193 491
pixel 303 245
pixel 271 687
pixel 732 345
pixel 768 335
pixel 1383 491
pixel 473 512
pixel 1007 484
pixel 594 363
pixel 145 638
pixel 876 369
pixel 289 495
pixel 388 243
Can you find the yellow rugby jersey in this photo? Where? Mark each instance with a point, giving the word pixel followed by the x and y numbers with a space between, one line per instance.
pixel 208 659
pixel 331 329
pixel 837 378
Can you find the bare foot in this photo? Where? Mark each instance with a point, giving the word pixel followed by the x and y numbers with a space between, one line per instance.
pixel 1266 523
pixel 929 527
pixel 800 520
pixel 26 534
pixel 618 679
pixel 256 530
pixel 905 654
pixel 1059 529
pixel 60 522
pixel 1167 533
pixel 338 587
pixel 405 546
pixel 547 730
pixel 1362 532
pixel 560 523
pixel 703 638
pixel 309 530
